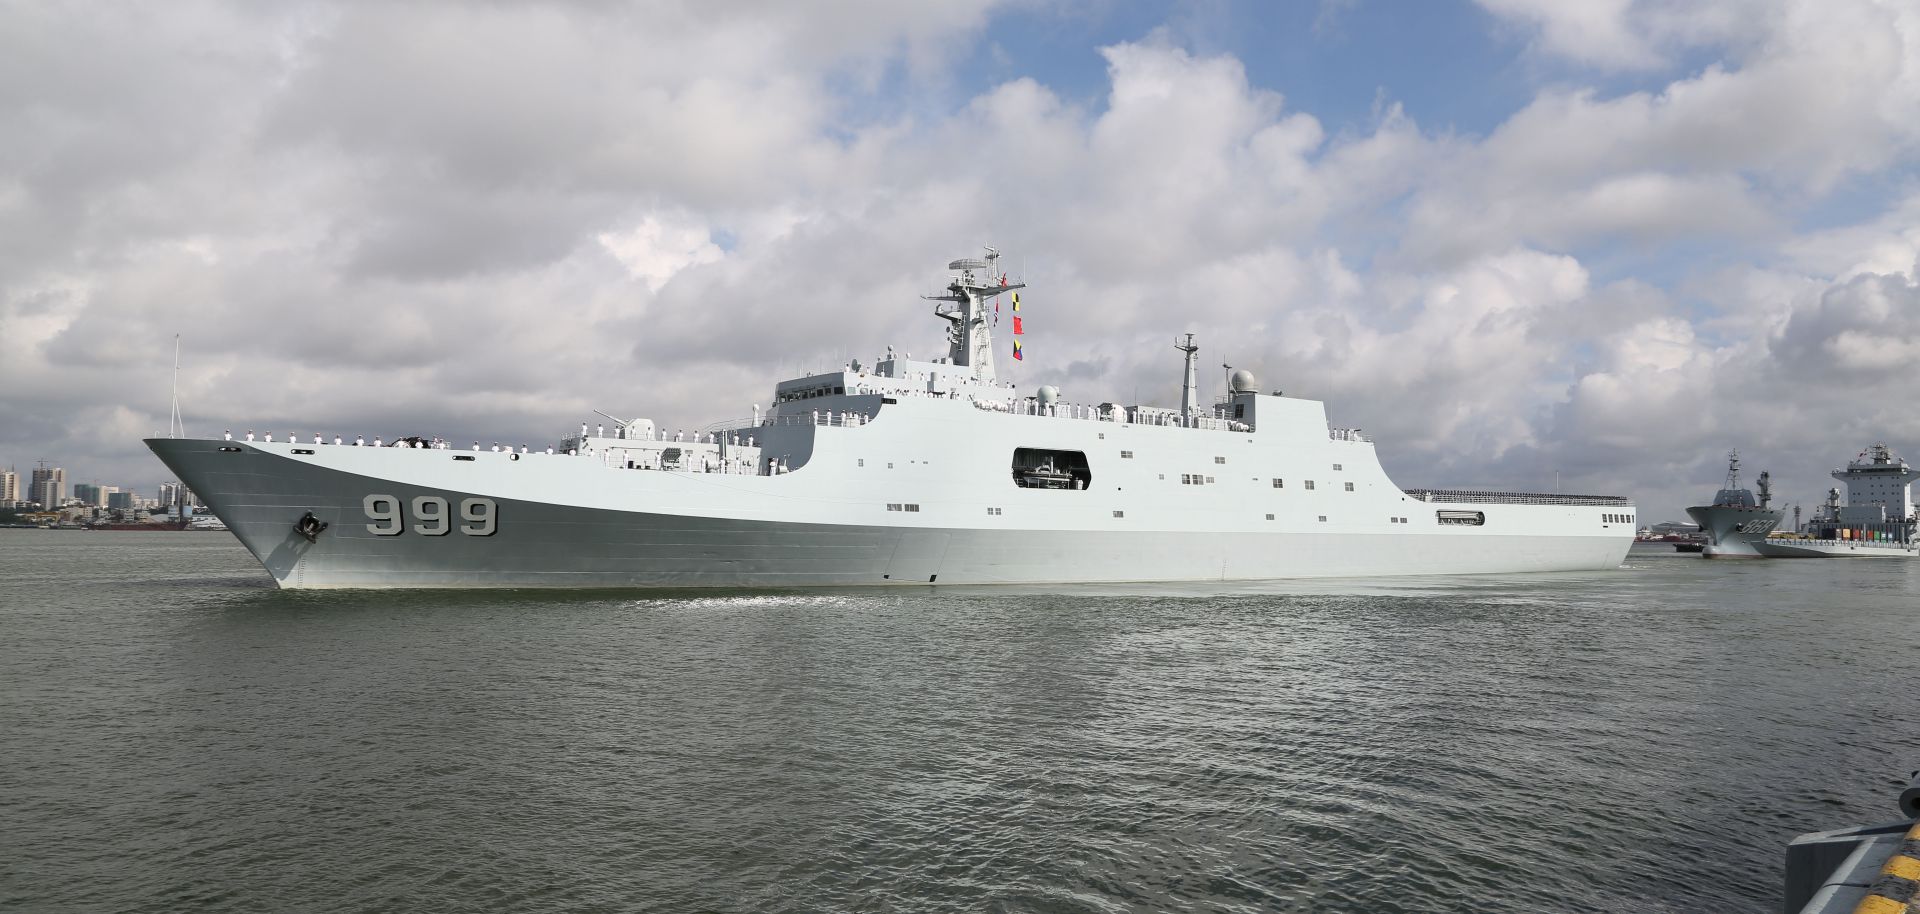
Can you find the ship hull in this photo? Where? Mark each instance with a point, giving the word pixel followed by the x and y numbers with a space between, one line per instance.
pixel 1835 549
pixel 1733 531
pixel 561 539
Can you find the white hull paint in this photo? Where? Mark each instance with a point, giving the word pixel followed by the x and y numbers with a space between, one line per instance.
pixel 577 522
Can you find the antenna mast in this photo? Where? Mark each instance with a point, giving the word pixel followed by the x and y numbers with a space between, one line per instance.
pixel 969 340
pixel 1189 397
pixel 176 427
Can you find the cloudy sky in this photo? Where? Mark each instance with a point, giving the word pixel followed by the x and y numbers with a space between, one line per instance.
pixel 1606 240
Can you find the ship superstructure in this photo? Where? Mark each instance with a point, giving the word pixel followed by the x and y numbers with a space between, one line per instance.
pixel 894 472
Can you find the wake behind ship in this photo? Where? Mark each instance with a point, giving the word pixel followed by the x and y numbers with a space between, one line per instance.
pixel 898 472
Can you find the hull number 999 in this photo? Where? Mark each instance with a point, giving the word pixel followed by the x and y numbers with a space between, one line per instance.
pixel 432 516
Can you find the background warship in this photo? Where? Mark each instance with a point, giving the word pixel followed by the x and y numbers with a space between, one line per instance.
pixel 1736 522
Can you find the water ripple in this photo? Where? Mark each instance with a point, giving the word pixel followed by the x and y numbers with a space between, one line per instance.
pixel 179 736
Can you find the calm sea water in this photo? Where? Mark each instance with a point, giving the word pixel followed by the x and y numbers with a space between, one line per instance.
pixel 177 735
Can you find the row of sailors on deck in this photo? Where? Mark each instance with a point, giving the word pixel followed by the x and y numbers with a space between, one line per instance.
pixel 600 431
pixel 361 441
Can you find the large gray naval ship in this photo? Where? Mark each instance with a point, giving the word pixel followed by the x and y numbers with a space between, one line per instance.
pixel 895 472
pixel 1737 522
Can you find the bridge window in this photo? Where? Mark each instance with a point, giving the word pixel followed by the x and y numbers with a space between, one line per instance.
pixel 1042 468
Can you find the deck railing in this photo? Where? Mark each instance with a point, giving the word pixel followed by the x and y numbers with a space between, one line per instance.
pixel 1466 496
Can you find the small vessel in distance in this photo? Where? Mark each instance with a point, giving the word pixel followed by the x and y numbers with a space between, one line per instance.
pixel 901 471
pixel 1736 521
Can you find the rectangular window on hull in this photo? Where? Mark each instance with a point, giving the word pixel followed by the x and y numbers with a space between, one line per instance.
pixel 1308 485
pixel 1042 468
pixel 1349 487
pixel 1279 483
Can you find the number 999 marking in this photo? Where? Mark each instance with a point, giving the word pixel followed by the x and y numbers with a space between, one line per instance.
pixel 386 510
pixel 431 516
pixel 478 514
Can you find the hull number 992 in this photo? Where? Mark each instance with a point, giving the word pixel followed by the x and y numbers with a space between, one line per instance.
pixel 432 516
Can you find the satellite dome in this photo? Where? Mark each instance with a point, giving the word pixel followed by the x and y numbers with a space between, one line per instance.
pixel 1048 394
pixel 1242 382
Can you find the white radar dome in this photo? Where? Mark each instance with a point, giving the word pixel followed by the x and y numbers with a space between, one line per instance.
pixel 1242 382
pixel 1048 394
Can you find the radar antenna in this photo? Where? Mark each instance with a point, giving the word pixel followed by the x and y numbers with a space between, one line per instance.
pixel 969 339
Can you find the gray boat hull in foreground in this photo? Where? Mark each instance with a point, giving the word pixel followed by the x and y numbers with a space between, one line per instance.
pixel 262 495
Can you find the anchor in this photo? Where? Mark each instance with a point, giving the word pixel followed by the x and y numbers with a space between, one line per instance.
pixel 309 527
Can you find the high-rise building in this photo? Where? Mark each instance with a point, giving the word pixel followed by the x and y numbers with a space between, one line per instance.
pixel 88 493
pixel 9 487
pixel 171 490
pixel 120 501
pixel 49 487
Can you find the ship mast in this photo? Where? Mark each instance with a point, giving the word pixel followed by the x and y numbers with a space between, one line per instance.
pixel 1189 393
pixel 969 339
pixel 1733 470
pixel 176 427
